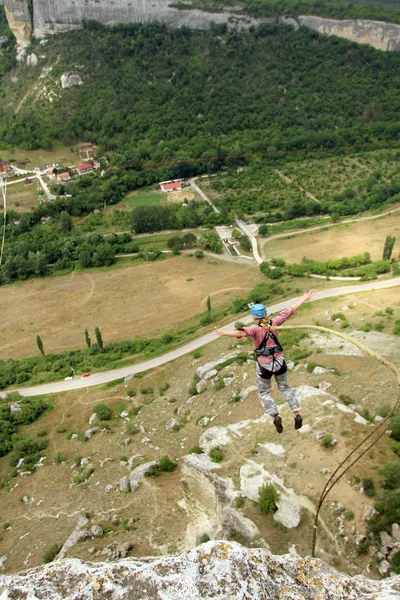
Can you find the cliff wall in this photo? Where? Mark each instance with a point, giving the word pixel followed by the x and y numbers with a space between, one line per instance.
pixel 54 16
pixel 380 35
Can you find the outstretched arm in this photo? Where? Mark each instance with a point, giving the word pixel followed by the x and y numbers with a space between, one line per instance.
pixel 237 333
pixel 306 297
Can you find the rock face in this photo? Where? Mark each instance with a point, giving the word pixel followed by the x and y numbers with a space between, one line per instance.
pixel 380 35
pixel 41 17
pixel 215 570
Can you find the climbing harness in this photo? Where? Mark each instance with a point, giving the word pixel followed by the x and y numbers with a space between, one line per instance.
pixel 262 349
pixel 3 188
pixel 360 450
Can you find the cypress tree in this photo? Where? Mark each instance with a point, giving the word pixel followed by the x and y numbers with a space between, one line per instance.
pixel 40 344
pixel 87 339
pixel 388 247
pixel 99 338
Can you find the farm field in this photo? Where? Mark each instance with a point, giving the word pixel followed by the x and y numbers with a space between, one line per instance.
pixel 155 196
pixel 41 158
pixel 160 526
pixel 125 303
pixel 22 198
pixel 338 241
pixel 346 185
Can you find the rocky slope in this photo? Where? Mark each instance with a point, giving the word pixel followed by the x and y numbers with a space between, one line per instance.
pixel 41 17
pixel 217 570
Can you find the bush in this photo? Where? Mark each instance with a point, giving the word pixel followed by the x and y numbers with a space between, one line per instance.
pixel 61 430
pixel 196 450
pixel 395 562
pixel 268 497
pixel 131 393
pixel 367 327
pixel 51 553
pixel 369 487
pixel 216 455
pixel 103 412
pixel 379 326
pixel 164 465
pixel 395 428
pixel 338 315
pixel 146 391
pixel 327 441
pixel 240 502
pixel 391 475
pixel 59 458
pixel 41 433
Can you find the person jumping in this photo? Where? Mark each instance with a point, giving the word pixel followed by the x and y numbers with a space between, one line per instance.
pixel 270 358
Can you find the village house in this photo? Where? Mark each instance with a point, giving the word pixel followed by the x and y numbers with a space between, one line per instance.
pixel 5 167
pixel 84 168
pixel 171 186
pixel 50 174
pixel 64 176
pixel 86 150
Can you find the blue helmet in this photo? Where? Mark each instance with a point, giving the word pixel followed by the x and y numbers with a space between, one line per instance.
pixel 258 311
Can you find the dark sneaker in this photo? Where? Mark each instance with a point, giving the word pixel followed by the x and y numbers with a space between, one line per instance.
pixel 278 423
pixel 298 422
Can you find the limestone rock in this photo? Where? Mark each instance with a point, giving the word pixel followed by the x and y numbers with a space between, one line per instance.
pixel 70 79
pixel 396 532
pixel 169 425
pixel 369 512
pixel 96 531
pixel 384 567
pixel 90 432
pixel 32 60
pixel 217 570
pixel 137 474
pixel 228 381
pixel 205 369
pixel 201 386
pixel 320 370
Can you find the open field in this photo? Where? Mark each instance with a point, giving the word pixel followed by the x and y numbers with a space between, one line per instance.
pixel 22 198
pixel 146 198
pixel 338 241
pixel 134 301
pixel 53 504
pixel 41 158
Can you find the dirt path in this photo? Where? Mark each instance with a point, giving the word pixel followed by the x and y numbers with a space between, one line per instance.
pixel 288 180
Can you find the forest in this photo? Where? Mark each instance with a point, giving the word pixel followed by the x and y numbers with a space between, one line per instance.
pixel 158 95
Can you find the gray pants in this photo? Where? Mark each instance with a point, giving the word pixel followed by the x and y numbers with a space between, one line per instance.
pixel 267 401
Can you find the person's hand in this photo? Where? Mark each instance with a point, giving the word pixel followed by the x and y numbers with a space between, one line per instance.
pixel 308 294
pixel 218 332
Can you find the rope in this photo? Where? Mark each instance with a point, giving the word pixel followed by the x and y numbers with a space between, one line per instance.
pixel 3 187
pixel 344 465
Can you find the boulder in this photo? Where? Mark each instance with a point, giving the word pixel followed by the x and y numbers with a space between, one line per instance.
pixel 369 512
pixel 384 567
pixel 137 474
pixel 32 60
pixel 203 370
pixel 96 531
pixel 320 371
pixel 228 381
pixel 70 79
pixel 201 386
pixel 396 532
pixel 171 424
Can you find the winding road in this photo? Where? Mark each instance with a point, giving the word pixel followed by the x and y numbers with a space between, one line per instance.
pixel 106 376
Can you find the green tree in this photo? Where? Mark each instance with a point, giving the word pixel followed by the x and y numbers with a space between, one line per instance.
pixel 99 338
pixel 268 497
pixel 87 339
pixel 40 344
pixel 65 221
pixel 209 304
pixel 388 247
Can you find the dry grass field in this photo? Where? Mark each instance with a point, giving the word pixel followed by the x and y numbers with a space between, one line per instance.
pixel 43 509
pixel 338 241
pixel 22 198
pixel 133 301
pixel 42 158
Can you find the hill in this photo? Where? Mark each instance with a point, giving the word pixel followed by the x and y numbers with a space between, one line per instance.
pixel 153 94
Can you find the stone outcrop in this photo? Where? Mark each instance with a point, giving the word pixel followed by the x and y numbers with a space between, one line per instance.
pixel 380 35
pixel 41 17
pixel 215 570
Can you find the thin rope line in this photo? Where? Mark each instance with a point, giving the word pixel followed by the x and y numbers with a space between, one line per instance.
pixel 3 186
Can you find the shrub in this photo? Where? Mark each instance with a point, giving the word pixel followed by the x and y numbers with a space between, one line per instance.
pixel 41 433
pixel 59 458
pixel 216 455
pixel 131 393
pixel 131 429
pixel 240 502
pixel 220 384
pixel 197 353
pixel 235 398
pixel 61 429
pixel 162 389
pixel 379 326
pixel 199 253
pixel 396 328
pixel 367 327
pixel 51 553
pixel 345 399
pixel 327 441
pixel 369 487
pixel 77 460
pixel 204 538
pixel 395 428
pixel 268 497
pixel 391 475
pixel 196 450
pixel 338 315
pixel 103 412
pixel 395 563
pixel 164 465
pixel 388 310
pixel 146 391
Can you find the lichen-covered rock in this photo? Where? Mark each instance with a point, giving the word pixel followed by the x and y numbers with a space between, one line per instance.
pixel 215 570
pixel 70 79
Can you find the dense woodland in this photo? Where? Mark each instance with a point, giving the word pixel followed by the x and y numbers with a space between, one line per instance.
pixel 153 94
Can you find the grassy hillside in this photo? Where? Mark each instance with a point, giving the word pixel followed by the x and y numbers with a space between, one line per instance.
pixel 153 94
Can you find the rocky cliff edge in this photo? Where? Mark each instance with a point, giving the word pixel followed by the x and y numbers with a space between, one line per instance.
pixel 217 570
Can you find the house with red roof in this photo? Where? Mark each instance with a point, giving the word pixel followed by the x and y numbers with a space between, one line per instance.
pixel 5 167
pixel 64 176
pixel 84 168
pixel 171 186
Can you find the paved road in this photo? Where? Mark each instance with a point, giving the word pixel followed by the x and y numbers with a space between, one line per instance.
pixel 105 377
